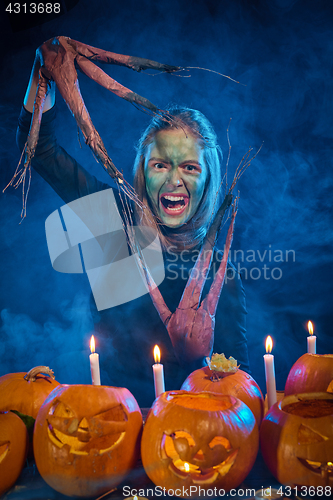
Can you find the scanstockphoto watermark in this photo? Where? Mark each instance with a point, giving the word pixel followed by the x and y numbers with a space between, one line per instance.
pixel 251 264
pixel 189 491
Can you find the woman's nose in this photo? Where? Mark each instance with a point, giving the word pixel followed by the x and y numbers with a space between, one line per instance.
pixel 174 179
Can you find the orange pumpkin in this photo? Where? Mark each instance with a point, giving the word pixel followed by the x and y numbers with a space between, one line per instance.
pixel 310 373
pixel 296 439
pixel 86 438
pixel 239 384
pixel 198 440
pixel 13 449
pixel 26 392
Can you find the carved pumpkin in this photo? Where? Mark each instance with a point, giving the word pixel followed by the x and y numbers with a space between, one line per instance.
pixel 13 449
pixel 239 384
pixel 298 447
pixel 26 392
pixel 86 438
pixel 198 439
pixel 310 373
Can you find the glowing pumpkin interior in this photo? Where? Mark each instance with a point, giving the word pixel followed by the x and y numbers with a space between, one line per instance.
pixel 313 439
pixel 101 432
pixel 203 461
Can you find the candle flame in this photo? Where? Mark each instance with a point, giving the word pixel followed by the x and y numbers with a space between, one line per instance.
pixel 157 354
pixel 330 464
pixel 186 467
pixel 269 344
pixel 310 327
pixel 92 344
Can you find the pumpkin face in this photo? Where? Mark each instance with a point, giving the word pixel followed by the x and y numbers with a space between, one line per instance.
pixel 25 395
pixel 298 449
pixel 239 384
pixel 86 438
pixel 201 439
pixel 310 373
pixel 13 449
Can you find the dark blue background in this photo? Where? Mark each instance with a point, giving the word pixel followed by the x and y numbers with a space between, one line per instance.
pixel 281 52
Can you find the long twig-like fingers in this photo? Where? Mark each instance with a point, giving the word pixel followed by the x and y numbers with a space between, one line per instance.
pixel 157 298
pixel 20 175
pixel 42 89
pixel 136 63
pixel 63 72
pixel 215 226
pixel 194 287
pixel 99 76
pixel 215 290
pixel 196 282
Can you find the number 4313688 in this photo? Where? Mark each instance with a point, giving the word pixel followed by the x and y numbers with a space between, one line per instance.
pixel 305 491
pixel 33 8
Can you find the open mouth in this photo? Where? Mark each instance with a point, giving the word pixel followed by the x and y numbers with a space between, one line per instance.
pixel 206 476
pixel 81 445
pixel 318 467
pixel 199 473
pixel 174 204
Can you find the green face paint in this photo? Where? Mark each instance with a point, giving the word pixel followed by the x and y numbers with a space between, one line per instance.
pixel 175 174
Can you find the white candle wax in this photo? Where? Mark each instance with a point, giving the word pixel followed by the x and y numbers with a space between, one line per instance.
pixel 312 344
pixel 270 379
pixel 94 367
pixel 158 379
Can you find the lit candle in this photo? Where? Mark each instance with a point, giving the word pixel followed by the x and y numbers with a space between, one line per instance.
pixel 94 363
pixel 158 372
pixel 270 373
pixel 311 339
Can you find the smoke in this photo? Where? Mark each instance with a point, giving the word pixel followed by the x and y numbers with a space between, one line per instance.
pixel 61 343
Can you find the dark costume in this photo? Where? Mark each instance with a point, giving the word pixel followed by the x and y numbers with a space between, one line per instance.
pixel 127 333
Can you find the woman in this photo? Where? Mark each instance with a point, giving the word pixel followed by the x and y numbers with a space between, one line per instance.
pixel 177 174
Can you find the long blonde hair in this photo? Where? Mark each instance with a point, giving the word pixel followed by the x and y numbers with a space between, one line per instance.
pixel 192 233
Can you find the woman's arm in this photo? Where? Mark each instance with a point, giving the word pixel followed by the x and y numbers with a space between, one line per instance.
pixel 30 95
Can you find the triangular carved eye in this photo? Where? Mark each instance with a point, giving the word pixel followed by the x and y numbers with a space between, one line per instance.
pixel 115 414
pixel 220 440
pixel 308 436
pixel 59 409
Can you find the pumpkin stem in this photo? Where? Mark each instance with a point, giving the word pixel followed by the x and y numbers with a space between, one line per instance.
pixel 32 374
pixel 216 376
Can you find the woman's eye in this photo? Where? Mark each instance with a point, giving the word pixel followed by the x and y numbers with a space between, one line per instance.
pixel 159 166
pixel 192 168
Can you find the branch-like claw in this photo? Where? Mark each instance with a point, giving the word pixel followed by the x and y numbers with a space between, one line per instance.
pixel 58 57
pixel 136 63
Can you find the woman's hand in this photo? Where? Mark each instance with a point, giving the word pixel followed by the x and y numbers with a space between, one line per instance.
pixel 55 63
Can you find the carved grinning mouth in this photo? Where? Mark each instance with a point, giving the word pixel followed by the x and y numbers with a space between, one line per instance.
pixel 199 473
pixel 174 203
pixel 78 445
pixel 318 467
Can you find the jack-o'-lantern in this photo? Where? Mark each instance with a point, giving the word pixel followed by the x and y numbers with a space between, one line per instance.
pixel 87 438
pixel 310 373
pixel 296 439
pixel 198 439
pixel 13 449
pixel 26 392
pixel 234 382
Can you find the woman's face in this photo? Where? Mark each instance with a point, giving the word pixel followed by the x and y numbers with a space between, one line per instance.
pixel 175 174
